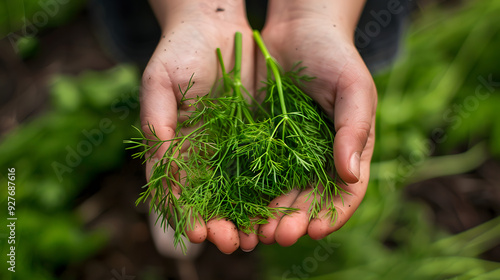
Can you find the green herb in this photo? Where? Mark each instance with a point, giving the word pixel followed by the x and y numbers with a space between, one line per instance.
pixel 239 155
pixel 299 149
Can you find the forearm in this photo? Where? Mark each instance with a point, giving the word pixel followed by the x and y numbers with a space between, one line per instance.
pixel 344 14
pixel 176 11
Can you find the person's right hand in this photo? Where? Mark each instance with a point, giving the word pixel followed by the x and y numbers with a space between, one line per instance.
pixel 191 32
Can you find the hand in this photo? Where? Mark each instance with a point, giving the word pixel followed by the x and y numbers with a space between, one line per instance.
pixel 192 30
pixel 344 88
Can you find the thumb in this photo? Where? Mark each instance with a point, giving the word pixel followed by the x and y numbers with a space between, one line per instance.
pixel 354 114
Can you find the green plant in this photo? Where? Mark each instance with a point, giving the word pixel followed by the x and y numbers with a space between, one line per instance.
pixel 50 233
pixel 391 237
pixel 28 17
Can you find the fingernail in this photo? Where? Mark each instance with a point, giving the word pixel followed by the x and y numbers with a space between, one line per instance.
pixel 354 165
pixel 247 251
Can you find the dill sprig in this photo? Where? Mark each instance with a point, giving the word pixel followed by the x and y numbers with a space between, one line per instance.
pixel 300 138
pixel 237 155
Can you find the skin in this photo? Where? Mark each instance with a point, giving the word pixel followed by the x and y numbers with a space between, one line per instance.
pixel 320 34
pixel 191 31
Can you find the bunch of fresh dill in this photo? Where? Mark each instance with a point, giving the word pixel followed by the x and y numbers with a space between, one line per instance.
pixel 238 156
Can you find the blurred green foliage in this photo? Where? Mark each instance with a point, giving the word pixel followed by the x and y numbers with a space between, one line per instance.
pixel 446 79
pixel 28 46
pixel 388 238
pixel 437 115
pixel 442 95
pixel 56 156
pixel 29 17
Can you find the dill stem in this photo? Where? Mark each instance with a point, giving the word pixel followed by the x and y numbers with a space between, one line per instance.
pixel 237 57
pixel 224 73
pixel 271 64
pixel 237 64
pixel 238 50
pixel 238 47
pixel 238 53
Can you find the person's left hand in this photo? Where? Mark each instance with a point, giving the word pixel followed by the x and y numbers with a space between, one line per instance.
pixel 345 90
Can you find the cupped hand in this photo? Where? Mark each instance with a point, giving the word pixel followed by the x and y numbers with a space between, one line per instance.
pixel 345 90
pixel 190 36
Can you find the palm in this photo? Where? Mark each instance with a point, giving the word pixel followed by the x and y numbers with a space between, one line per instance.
pixel 344 89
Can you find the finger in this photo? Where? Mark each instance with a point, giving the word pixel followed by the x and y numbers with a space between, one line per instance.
pixel 293 226
pixel 327 222
pixel 223 234
pixel 158 105
pixel 194 227
pixel 248 241
pixel 163 237
pixel 355 105
pixel 347 204
pixel 267 231
pixel 198 232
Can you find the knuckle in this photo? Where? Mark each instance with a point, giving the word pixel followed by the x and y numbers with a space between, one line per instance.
pixel 362 131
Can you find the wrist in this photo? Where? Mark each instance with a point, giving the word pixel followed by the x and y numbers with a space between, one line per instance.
pixel 339 14
pixel 179 11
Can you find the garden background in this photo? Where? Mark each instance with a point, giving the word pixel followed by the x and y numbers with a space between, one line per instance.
pixel 432 209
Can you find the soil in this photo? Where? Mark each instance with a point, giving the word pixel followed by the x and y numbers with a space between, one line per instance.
pixel 461 202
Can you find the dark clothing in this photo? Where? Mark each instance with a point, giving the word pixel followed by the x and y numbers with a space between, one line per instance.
pixel 379 31
pixel 128 28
